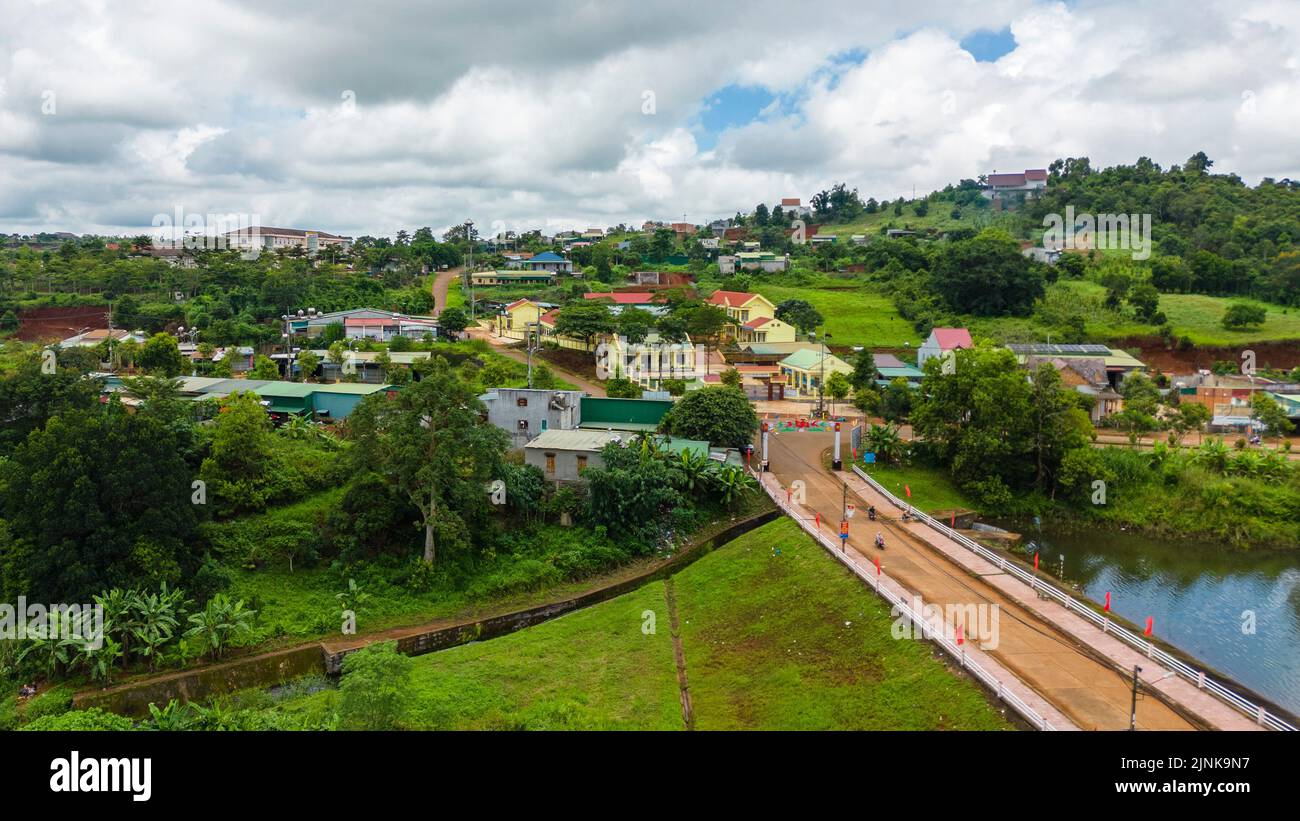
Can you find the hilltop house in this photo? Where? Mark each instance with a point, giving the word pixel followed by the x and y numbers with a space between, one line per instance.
pixel 1029 182
pixel 275 239
pixel 764 261
pixel 793 206
pixel 549 261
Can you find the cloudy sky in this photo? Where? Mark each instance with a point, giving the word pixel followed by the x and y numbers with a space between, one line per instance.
pixel 367 117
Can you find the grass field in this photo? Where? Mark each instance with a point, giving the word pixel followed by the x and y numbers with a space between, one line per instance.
pixel 855 315
pixel 771 641
pixel 932 489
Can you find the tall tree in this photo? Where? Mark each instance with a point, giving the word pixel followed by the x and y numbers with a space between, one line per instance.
pixel 432 444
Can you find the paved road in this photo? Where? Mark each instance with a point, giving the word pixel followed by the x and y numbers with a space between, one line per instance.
pixel 1093 694
pixel 441 281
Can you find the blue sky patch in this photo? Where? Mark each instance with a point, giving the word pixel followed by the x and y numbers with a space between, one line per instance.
pixel 987 46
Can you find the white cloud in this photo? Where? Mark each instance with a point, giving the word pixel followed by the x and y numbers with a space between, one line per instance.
pixel 530 115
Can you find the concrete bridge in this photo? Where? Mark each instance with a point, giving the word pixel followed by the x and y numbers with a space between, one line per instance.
pixel 1077 674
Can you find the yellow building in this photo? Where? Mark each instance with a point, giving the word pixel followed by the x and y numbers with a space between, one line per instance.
pixel 765 329
pixel 754 315
pixel 804 369
pixel 518 315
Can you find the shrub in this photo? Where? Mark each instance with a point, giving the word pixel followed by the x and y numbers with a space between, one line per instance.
pixel 94 719
pixel 374 693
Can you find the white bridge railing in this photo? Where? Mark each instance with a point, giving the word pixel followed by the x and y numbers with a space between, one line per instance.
pixel 1108 626
pixel 935 634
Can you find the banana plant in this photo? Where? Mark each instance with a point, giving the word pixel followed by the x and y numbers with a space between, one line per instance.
pixel 219 623
pixel 119 615
pixel 157 615
pixel 173 717
pixel 732 484
pixel 98 659
pixel 693 469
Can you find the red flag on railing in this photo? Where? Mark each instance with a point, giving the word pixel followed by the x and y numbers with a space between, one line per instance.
pixel 819 521
pixel 1035 562
pixel 1107 607
pixel 909 490
pixel 961 639
pixel 1150 623
pixel 877 565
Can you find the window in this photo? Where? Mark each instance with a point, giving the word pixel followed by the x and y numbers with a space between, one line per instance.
pixel 550 463
pixel 522 402
pixel 582 462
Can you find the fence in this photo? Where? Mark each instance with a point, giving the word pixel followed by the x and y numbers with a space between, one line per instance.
pixel 1108 626
pixel 937 635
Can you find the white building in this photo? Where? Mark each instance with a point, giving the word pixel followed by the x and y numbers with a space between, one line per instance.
pixel 276 239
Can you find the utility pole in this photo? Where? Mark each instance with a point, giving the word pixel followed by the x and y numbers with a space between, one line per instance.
pixel 533 346
pixel 1133 710
pixel 469 266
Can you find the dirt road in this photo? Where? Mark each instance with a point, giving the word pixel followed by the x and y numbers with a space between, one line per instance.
pixel 441 282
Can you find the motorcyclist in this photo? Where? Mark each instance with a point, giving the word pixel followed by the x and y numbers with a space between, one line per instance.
pixel 880 541
pixel 871 513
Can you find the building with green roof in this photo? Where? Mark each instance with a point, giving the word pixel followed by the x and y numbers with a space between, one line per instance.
pixel 804 369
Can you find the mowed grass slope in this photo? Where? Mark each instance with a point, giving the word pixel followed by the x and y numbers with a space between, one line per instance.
pixel 855 315
pixel 788 641
pixel 793 641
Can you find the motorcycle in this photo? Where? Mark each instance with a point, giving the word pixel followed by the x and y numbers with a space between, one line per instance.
pixel 871 513
pixel 880 542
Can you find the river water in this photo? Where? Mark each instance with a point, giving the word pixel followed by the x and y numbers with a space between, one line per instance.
pixel 1202 596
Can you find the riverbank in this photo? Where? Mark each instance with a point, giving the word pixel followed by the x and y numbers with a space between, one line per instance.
pixel 1165 494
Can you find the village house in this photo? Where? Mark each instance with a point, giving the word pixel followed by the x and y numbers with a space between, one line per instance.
pixel 793 206
pixel 764 261
pixel 549 261
pixel 942 342
pixel 523 413
pixel 891 367
pixel 804 370
pixel 95 337
pixel 488 279
pixel 754 315
pixel 1086 375
pixel 563 455
pixel 1029 182
pixel 515 318
pixel 1117 364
